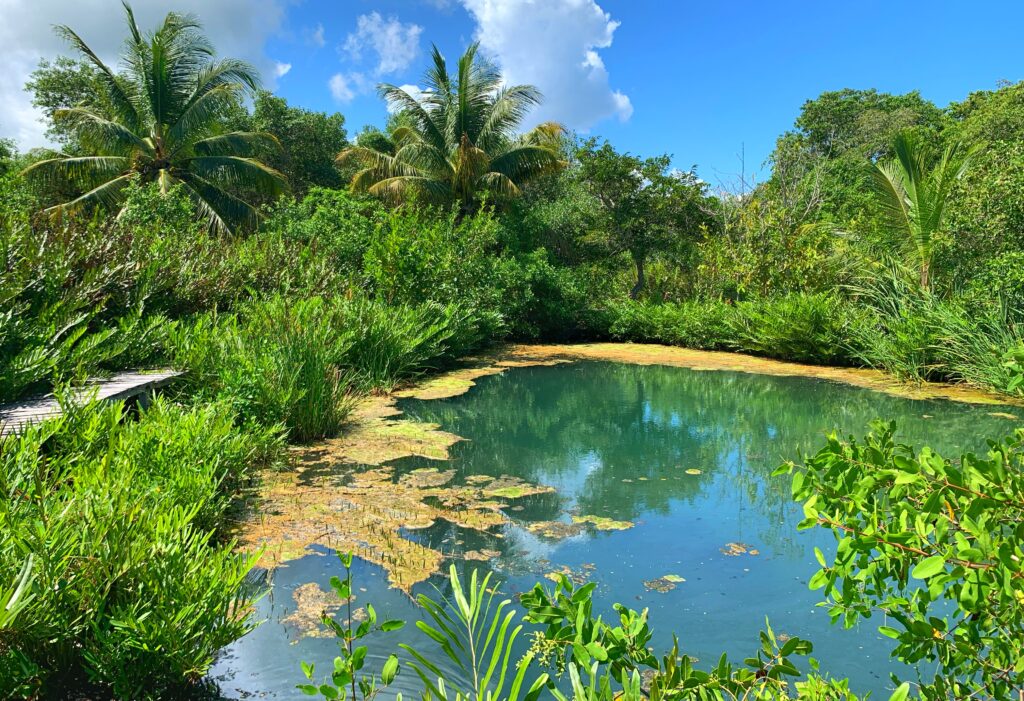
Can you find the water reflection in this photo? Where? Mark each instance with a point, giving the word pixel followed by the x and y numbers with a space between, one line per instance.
pixel 684 455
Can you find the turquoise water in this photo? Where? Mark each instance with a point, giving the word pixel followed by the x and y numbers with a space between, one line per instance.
pixel 616 441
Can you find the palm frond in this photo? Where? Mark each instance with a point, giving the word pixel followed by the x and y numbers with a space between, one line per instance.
pixel 223 211
pixel 109 194
pixel 102 134
pixel 237 171
pixel 80 170
pixel 120 99
pixel 236 143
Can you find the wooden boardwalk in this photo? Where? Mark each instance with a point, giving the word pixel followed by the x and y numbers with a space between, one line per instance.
pixel 17 415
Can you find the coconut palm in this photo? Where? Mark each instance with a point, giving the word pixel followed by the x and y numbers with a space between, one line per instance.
pixel 163 124
pixel 457 138
pixel 914 197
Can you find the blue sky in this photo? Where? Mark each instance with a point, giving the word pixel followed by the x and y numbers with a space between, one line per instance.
pixel 701 81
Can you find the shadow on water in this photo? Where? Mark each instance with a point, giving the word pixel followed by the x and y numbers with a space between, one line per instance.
pixel 685 456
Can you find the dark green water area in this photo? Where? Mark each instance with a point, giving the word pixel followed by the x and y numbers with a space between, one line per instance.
pixel 686 457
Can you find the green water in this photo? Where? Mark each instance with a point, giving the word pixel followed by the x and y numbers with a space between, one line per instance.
pixel 616 441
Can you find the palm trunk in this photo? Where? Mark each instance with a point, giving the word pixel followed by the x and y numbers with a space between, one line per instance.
pixel 641 279
pixel 925 269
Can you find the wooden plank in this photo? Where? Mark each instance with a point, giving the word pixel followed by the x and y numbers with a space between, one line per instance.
pixel 17 415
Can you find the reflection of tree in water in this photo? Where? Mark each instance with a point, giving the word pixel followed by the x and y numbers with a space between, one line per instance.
pixel 588 426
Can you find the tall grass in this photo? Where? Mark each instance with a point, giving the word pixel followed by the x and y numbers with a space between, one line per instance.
pixel 132 590
pixel 298 362
pixel 918 335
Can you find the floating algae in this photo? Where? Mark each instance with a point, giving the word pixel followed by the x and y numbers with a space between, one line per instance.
pixel 311 604
pixel 664 583
pixel 737 549
pixel 555 530
pixel 602 523
pixel 578 577
pixel 330 499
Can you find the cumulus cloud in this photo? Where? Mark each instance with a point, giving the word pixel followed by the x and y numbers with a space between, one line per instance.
pixel 394 43
pixel 239 29
pixel 346 86
pixel 281 69
pixel 555 46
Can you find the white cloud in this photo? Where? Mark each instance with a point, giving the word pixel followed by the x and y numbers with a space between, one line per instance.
pixel 554 46
pixel 316 37
pixel 281 69
pixel 395 44
pixel 239 28
pixel 345 86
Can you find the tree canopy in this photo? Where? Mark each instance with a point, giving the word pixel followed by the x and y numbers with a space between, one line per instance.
pixel 158 121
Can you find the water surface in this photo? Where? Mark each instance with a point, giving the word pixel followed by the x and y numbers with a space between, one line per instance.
pixel 617 441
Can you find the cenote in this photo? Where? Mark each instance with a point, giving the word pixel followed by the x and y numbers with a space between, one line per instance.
pixel 680 460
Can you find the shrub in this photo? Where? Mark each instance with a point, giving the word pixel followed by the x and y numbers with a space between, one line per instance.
pixel 802 327
pixel 693 324
pixel 130 587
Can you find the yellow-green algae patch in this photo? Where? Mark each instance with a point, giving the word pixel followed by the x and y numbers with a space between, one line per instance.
pixel 311 604
pixel 656 354
pixel 339 494
pixel 602 523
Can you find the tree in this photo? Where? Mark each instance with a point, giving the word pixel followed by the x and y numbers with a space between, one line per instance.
pixel 309 141
pixel 647 208
pixel 161 123
pixel 457 139
pixel 60 85
pixel 913 197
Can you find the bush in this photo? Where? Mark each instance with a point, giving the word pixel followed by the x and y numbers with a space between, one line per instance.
pixel 693 324
pixel 539 300
pixel 801 327
pixel 130 588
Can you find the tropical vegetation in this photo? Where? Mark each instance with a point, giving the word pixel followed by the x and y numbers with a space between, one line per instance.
pixel 183 225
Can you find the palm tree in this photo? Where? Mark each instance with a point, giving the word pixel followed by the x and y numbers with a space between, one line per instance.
pixel 914 197
pixel 163 125
pixel 457 138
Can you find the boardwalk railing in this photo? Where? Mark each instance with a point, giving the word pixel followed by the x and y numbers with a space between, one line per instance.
pixel 123 385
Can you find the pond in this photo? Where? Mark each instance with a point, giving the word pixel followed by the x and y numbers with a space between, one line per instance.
pixel 679 461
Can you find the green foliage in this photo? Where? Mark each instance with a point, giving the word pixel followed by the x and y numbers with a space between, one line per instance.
pixel 691 324
pixel 129 586
pixel 332 225
pixel 915 334
pixel 934 545
pixel 456 141
pixel 914 196
pixel 60 85
pixel 161 121
pixel 645 207
pixel 70 306
pixel 276 362
pixel 297 361
pixel 808 328
pixel 308 141
pixel 476 632
pixel 422 254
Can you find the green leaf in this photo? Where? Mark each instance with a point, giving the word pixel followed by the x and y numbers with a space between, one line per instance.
pixel 390 670
pixel 388 626
pixel 929 567
pixel 901 693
